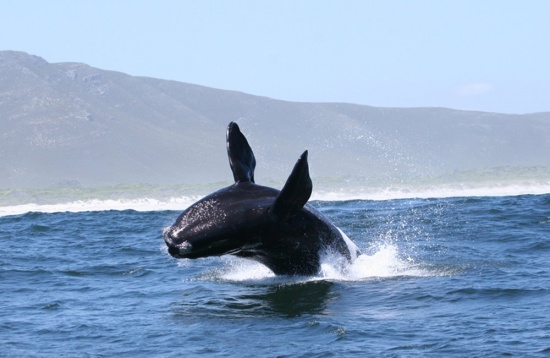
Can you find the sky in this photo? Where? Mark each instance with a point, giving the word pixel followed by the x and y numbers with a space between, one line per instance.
pixel 483 55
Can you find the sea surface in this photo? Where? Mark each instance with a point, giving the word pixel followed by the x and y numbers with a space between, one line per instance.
pixel 463 276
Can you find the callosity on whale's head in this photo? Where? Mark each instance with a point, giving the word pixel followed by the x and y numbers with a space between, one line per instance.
pixel 276 228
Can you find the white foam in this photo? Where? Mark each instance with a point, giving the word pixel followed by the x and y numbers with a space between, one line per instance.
pixel 181 203
pixel 439 191
pixel 144 204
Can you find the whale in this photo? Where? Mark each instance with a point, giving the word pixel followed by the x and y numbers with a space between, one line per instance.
pixel 277 228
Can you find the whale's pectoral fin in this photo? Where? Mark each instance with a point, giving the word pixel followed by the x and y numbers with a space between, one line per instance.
pixel 296 191
pixel 241 157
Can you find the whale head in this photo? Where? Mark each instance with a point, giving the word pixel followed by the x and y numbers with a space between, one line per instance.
pixel 228 221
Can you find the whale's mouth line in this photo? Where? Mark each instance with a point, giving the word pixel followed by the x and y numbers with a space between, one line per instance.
pixel 186 250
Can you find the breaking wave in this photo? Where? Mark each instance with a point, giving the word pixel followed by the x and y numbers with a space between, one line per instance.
pixel 361 193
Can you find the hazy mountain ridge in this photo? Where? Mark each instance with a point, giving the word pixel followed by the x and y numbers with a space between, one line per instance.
pixel 69 124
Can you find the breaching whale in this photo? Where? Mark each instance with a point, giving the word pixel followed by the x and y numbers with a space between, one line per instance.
pixel 277 228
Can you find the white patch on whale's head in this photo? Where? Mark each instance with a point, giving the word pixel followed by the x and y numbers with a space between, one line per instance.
pixel 185 247
pixel 181 248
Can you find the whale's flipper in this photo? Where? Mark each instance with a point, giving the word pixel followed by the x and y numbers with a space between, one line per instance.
pixel 241 157
pixel 296 191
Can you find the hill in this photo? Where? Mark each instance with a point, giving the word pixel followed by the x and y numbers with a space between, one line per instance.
pixel 69 124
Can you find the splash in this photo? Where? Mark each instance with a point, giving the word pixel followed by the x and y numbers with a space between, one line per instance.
pixel 385 262
pixel 243 270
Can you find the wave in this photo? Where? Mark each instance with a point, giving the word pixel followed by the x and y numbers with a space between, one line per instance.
pixel 143 204
pixel 361 193
pixel 434 192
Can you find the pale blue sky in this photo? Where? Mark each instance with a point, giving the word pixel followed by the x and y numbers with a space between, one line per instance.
pixel 479 55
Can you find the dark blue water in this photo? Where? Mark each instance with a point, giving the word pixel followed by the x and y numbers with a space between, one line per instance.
pixel 440 277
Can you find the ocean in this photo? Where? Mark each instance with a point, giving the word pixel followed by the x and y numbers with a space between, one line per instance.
pixel 465 275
